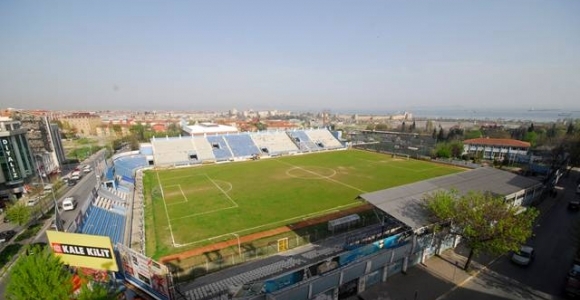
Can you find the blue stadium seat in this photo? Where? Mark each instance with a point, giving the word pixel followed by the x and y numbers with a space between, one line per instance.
pixel 242 145
pixel 220 148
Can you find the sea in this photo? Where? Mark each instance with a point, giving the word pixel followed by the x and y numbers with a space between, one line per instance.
pixel 525 115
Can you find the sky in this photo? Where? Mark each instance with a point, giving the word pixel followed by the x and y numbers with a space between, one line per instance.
pixel 290 55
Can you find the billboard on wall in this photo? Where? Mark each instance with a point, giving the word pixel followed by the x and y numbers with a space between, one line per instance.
pixel 83 250
pixel 10 160
pixel 145 273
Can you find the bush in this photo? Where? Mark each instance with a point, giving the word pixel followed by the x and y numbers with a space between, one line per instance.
pixel 29 232
pixel 8 252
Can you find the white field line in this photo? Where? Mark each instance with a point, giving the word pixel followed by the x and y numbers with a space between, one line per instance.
pixel 204 213
pixel 178 202
pixel 166 212
pixel 322 176
pixel 302 217
pixel 184 197
pixel 223 192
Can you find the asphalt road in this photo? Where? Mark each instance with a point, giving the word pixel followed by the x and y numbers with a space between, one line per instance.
pixel 545 277
pixel 81 191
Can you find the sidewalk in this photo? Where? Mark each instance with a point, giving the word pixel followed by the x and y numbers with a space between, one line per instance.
pixel 435 278
pixel 440 275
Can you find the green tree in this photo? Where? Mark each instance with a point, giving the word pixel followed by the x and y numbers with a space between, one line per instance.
pixel 39 276
pixel 456 148
pixel 473 134
pixel 382 127
pixel 441 135
pixel 486 223
pixel 443 150
pixel 96 291
pixel 19 214
pixel 570 129
pixel 117 130
pixel 531 137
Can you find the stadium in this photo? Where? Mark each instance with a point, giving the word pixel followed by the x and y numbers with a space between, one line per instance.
pixel 203 203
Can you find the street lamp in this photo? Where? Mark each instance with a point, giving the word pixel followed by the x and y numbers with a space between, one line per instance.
pixel 51 190
pixel 239 245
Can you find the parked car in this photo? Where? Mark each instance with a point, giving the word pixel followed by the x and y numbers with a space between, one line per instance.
pixel 524 256
pixel 54 227
pixel 6 235
pixel 572 287
pixel 574 205
pixel 578 189
pixel 32 201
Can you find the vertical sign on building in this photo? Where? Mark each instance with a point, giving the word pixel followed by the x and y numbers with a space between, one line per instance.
pixel 10 156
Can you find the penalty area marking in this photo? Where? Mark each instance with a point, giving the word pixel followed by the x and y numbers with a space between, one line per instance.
pixel 224 191
pixel 281 222
pixel 183 194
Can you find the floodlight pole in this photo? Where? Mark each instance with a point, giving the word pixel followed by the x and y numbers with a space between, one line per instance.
pixel 239 245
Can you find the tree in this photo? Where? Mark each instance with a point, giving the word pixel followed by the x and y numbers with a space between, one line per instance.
pixel 382 127
pixel 441 135
pixel 473 134
pixel 19 214
pixel 570 129
pixel 39 276
pixel 486 223
pixel 531 137
pixel 96 291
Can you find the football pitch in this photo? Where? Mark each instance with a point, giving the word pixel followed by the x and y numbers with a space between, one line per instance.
pixel 197 205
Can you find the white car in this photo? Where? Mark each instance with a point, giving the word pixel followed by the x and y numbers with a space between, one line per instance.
pixel 524 257
pixel 32 201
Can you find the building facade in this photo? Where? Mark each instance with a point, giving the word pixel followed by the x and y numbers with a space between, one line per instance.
pixel 85 123
pixel 17 166
pixel 44 140
pixel 495 149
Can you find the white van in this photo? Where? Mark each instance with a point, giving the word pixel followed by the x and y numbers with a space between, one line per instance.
pixel 69 203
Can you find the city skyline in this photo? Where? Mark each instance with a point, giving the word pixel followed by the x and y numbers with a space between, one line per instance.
pixel 342 56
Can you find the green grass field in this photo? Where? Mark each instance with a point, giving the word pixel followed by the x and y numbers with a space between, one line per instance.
pixel 197 205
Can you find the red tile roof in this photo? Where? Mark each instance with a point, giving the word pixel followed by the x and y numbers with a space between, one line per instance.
pixel 498 142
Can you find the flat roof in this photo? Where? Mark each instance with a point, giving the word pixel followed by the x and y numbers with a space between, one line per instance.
pixel 405 202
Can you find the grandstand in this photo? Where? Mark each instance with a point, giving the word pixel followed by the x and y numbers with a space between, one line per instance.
pixel 242 145
pixel 220 148
pixel 180 151
pixel 203 149
pixel 274 143
pixel 301 139
pixel 101 221
pixel 324 139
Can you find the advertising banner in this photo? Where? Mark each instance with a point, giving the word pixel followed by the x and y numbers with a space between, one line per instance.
pixel 145 273
pixel 83 250
pixel 10 160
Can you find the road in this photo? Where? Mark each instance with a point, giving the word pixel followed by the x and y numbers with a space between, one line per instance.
pixel 81 191
pixel 545 277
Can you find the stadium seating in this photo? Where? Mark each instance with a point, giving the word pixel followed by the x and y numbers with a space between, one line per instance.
pixel 169 152
pixel 203 149
pixel 220 148
pixel 126 165
pixel 302 140
pixel 100 221
pixel 242 145
pixel 274 143
pixel 323 139
pixel 173 151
